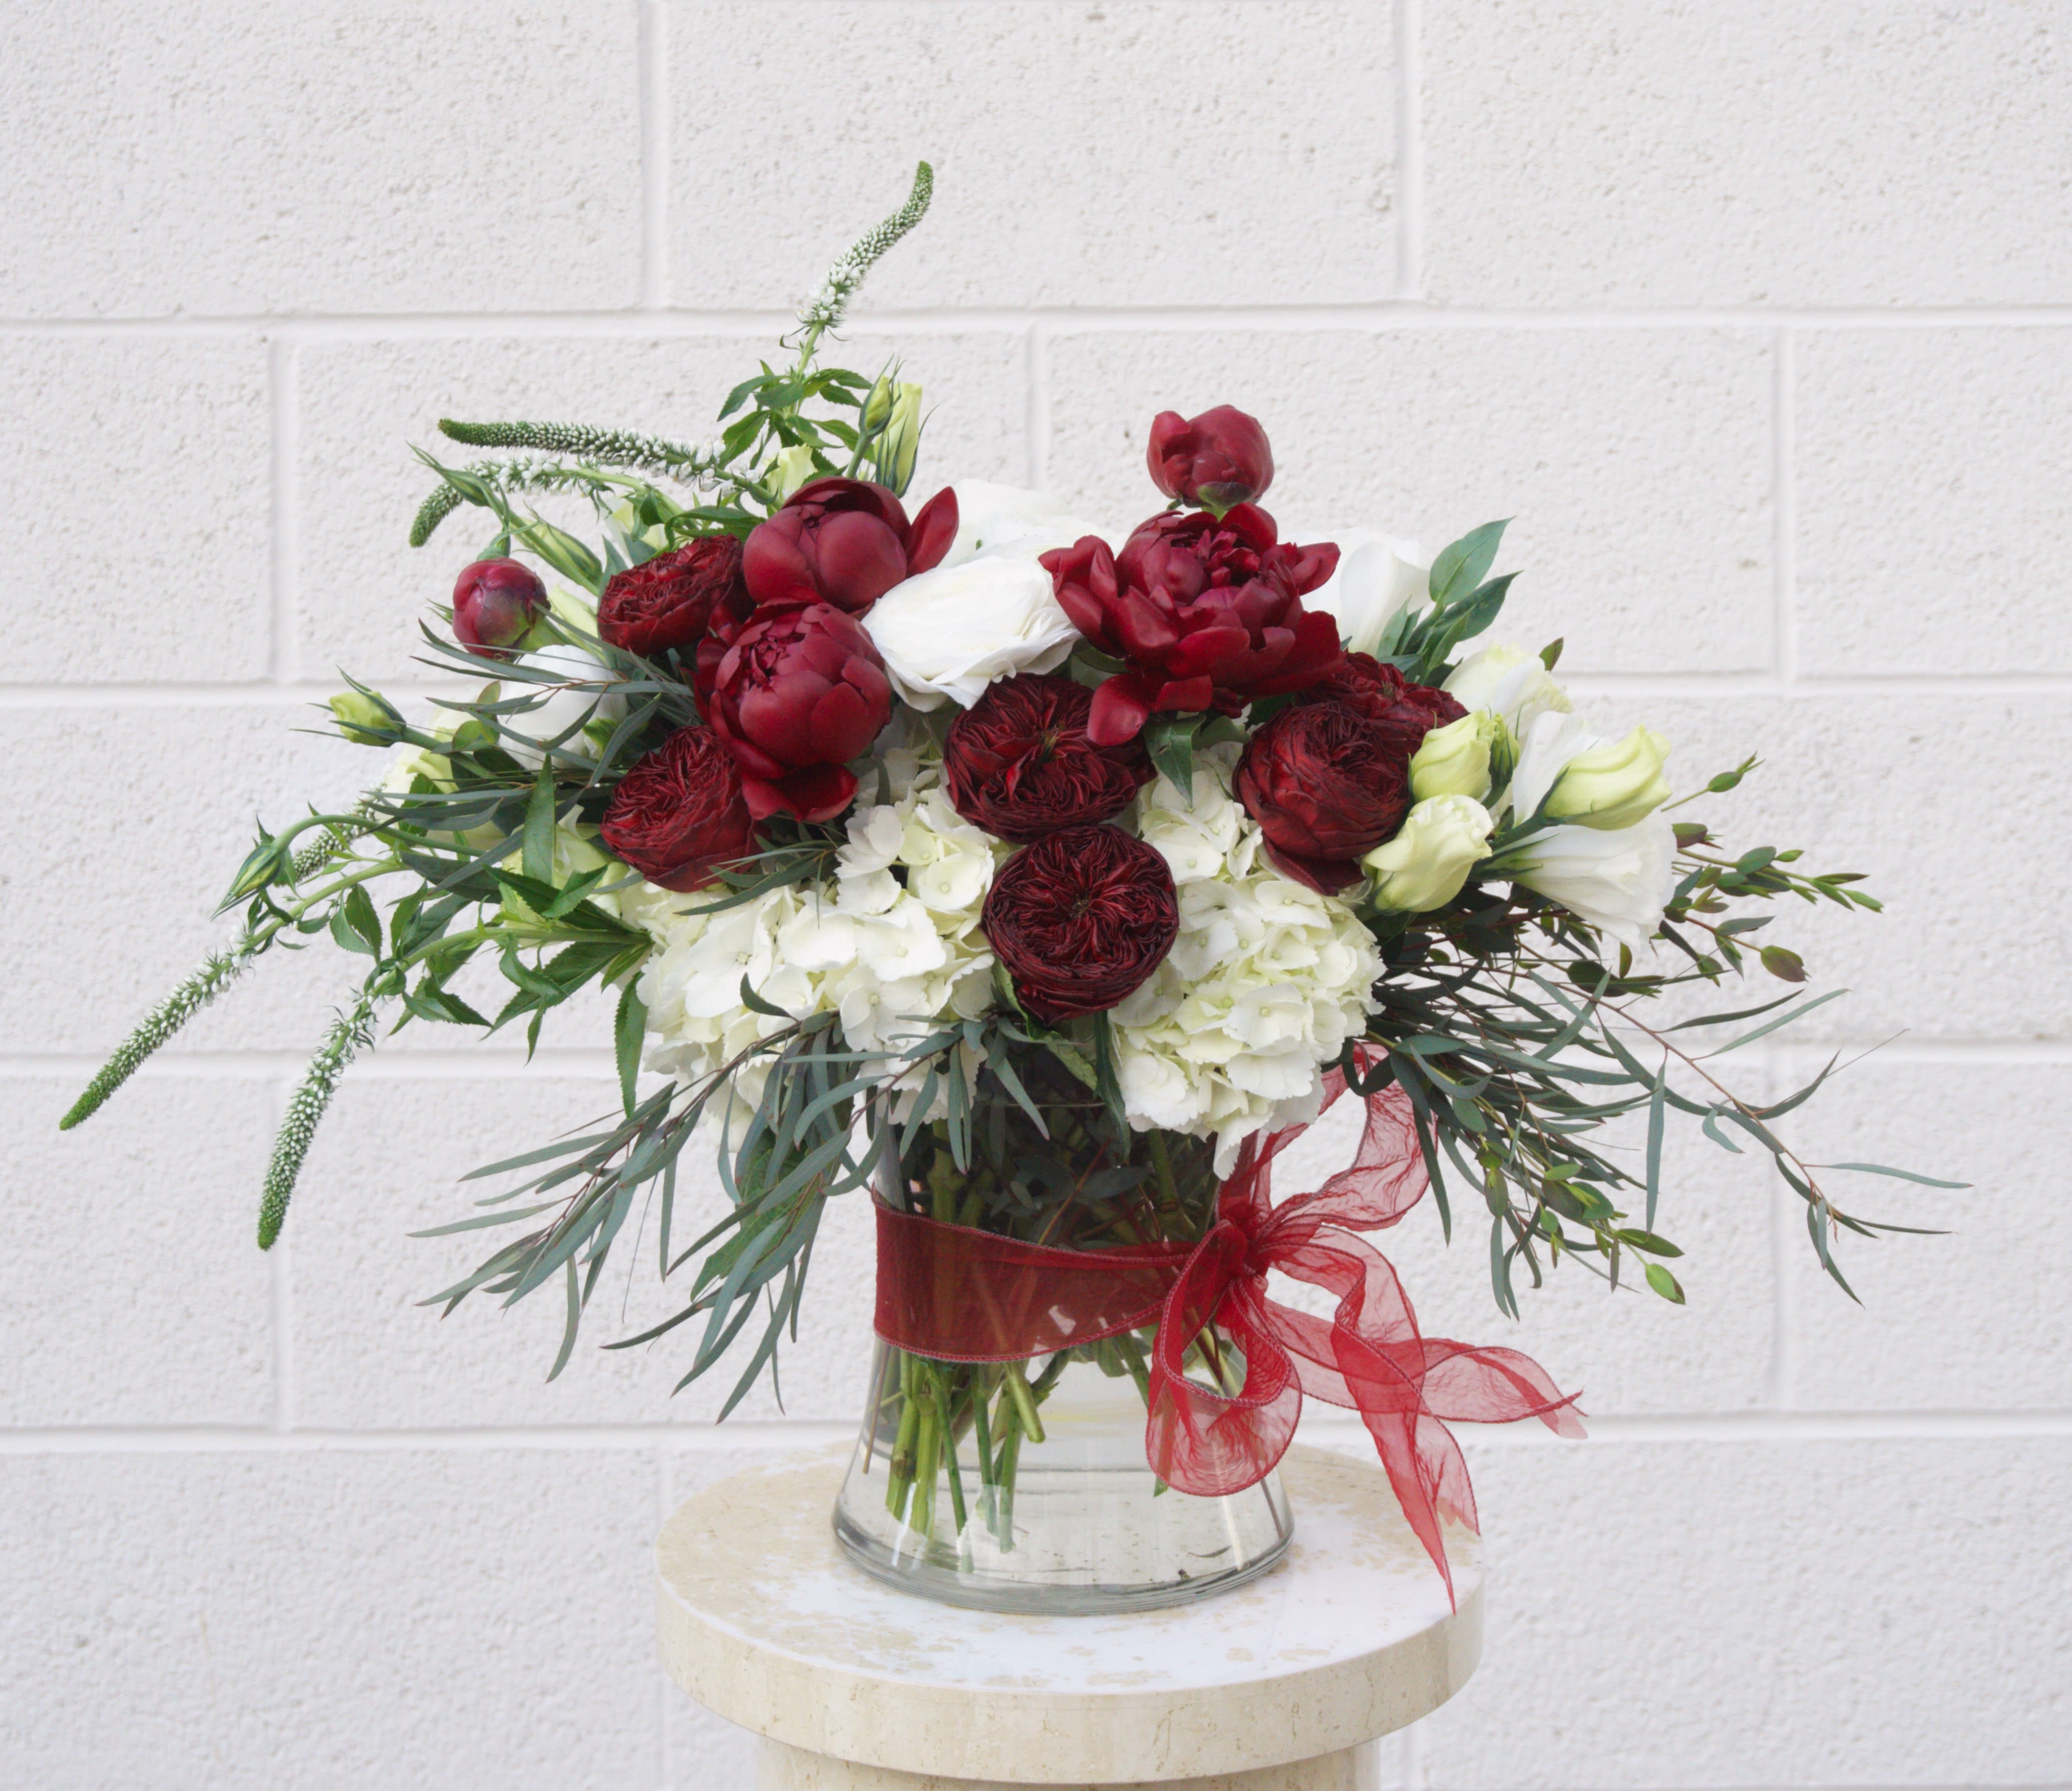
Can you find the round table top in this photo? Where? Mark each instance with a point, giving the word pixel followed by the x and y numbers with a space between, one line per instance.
pixel 1350 1636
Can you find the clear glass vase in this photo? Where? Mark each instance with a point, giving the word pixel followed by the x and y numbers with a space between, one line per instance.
pixel 1042 1500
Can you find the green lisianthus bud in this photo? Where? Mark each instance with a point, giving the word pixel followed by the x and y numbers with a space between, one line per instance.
pixel 903 437
pixel 364 720
pixel 1617 785
pixel 1424 867
pixel 1454 760
pixel 792 468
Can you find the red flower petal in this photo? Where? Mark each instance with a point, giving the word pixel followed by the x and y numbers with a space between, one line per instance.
pixel 933 531
pixel 1121 706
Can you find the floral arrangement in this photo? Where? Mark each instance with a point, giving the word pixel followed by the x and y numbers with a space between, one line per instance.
pixel 1047 878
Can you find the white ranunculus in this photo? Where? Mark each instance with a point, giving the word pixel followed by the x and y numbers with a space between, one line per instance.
pixel 1619 881
pixel 1378 577
pixel 582 704
pixel 1424 867
pixel 991 515
pixel 1509 682
pixel 947 634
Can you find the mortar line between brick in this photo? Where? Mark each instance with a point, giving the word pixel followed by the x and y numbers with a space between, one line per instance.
pixel 653 49
pixel 1785 549
pixel 281 398
pixel 1378 314
pixel 1409 152
pixel 733 1438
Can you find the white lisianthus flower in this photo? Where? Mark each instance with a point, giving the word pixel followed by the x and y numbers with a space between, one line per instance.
pixel 1618 881
pixel 1425 866
pixel 1586 780
pixel 945 634
pixel 579 707
pixel 1377 578
pixel 1509 683
pixel 1614 784
pixel 1264 984
pixel 991 517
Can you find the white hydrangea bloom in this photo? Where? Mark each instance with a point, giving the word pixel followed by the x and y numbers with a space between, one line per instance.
pixel 1266 982
pixel 892 944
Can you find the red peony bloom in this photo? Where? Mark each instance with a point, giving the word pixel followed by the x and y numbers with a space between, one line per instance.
pixel 1325 785
pixel 678 815
pixel 494 602
pixel 672 600
pixel 799 692
pixel 1017 762
pixel 847 542
pixel 1208 614
pixel 1218 459
pixel 1381 693
pixel 1080 918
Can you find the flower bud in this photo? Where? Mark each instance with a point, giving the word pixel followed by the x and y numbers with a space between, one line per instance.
pixel 1218 460
pixel 792 468
pixel 1425 866
pixel 1454 760
pixel 364 720
pixel 494 602
pixel 902 438
pixel 1613 785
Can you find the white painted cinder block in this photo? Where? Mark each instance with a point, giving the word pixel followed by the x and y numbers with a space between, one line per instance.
pixel 435 1617
pixel 138 1297
pixel 353 155
pixel 1935 503
pixel 1872 1612
pixel 175 435
pixel 1112 153
pixel 1859 152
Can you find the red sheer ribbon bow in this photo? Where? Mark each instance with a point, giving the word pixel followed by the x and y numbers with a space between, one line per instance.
pixel 959 1295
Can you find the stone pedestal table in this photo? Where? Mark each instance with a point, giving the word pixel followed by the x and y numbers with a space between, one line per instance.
pixel 852 1684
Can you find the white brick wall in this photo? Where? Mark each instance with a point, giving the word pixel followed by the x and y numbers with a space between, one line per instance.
pixel 1758 317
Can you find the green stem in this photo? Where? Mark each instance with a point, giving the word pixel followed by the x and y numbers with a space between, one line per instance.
pixel 1024 1403
pixel 949 1446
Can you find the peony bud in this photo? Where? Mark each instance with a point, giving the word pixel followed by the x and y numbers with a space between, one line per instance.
pixel 1454 760
pixel 1425 866
pixel 1612 786
pixel 364 720
pixel 1219 460
pixel 495 602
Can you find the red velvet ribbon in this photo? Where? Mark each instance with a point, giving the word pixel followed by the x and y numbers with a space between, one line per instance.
pixel 959 1294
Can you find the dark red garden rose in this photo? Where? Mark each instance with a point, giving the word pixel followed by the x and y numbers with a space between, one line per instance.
pixel 494 602
pixel 672 600
pixel 1207 612
pixel 1017 762
pixel 678 815
pixel 1325 785
pixel 1218 459
pixel 1080 918
pixel 847 542
pixel 1407 712
pixel 799 692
